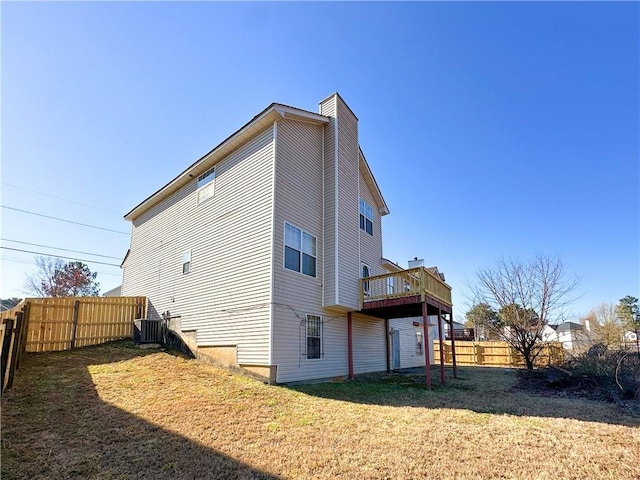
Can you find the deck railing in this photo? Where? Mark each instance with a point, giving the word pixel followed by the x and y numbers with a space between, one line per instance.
pixel 405 283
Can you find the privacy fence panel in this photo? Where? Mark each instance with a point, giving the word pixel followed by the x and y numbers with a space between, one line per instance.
pixel 62 323
pixel 496 354
pixel 50 324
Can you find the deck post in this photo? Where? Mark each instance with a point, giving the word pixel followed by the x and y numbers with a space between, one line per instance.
pixel 440 320
pixel 386 336
pixel 425 348
pixel 350 343
pixel 453 345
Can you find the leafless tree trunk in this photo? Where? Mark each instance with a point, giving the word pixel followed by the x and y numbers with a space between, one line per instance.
pixel 527 296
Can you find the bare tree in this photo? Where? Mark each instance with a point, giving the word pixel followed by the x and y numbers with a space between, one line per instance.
pixel 55 278
pixel 527 295
pixel 605 325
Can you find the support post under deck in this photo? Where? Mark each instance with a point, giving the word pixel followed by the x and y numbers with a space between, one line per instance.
pixel 442 380
pixel 387 343
pixel 425 342
pixel 453 345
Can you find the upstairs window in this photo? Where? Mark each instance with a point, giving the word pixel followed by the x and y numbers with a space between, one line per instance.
pixel 186 262
pixel 390 289
pixel 299 250
pixel 314 337
pixel 366 217
pixel 206 184
pixel 366 289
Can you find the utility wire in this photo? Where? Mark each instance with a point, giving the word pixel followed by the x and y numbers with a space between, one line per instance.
pixel 59 256
pixel 58 248
pixel 60 198
pixel 5 259
pixel 63 220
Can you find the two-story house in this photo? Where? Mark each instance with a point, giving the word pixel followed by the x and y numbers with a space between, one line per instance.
pixel 267 254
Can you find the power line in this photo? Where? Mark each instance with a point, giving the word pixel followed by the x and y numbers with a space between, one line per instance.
pixel 59 256
pixel 5 259
pixel 64 220
pixel 58 248
pixel 60 198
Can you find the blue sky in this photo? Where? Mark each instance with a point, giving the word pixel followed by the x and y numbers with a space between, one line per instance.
pixel 492 128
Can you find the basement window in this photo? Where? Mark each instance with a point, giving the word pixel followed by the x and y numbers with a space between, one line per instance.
pixel 205 185
pixel 419 349
pixel 314 337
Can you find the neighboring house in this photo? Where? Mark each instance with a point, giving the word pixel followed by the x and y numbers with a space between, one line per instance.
pixel 549 333
pixel 257 252
pixel 572 335
pixel 114 292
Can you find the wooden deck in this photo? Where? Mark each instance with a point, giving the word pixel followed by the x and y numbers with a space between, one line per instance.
pixel 412 286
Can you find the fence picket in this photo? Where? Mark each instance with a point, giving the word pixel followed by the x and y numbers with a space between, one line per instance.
pixel 496 354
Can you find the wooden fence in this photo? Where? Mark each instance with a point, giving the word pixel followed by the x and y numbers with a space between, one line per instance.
pixel 50 324
pixel 496 354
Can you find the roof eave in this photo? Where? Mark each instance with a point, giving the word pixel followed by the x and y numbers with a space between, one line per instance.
pixel 272 113
pixel 383 209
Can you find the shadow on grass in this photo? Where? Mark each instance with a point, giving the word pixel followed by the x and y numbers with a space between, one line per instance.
pixel 478 389
pixel 54 426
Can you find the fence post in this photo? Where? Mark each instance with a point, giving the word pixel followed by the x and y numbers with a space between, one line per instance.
pixel 6 348
pixel 15 349
pixel 74 324
pixel 23 332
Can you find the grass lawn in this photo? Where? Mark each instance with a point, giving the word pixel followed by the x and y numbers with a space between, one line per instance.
pixel 117 412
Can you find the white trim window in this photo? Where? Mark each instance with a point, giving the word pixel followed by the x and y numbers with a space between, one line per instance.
pixel 206 185
pixel 390 285
pixel 299 250
pixel 314 337
pixel 366 285
pixel 186 262
pixel 419 344
pixel 366 217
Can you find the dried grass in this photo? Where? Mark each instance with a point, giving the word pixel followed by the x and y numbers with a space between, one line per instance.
pixel 115 412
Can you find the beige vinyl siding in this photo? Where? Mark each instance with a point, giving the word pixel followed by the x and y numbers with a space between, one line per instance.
pixel 330 286
pixel 226 296
pixel 289 345
pixel 348 222
pixel 298 201
pixel 342 261
pixel 408 357
pixel 369 344
pixel 370 245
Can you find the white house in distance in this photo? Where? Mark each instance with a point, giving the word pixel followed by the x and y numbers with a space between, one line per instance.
pixel 266 253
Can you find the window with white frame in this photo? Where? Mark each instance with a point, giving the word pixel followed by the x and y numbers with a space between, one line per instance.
pixel 206 184
pixel 366 217
pixel 366 287
pixel 186 262
pixel 299 250
pixel 419 349
pixel 314 337
pixel 390 285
